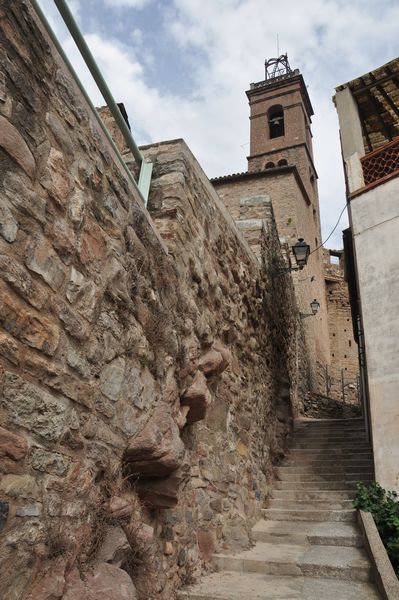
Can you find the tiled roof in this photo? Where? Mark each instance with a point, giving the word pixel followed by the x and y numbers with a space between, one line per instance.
pixel 258 172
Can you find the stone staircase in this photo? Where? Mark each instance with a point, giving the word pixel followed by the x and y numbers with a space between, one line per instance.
pixel 308 546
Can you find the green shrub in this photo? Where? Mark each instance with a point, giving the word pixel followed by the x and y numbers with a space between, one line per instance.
pixel 384 507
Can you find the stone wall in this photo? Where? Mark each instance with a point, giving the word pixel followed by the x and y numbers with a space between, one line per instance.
pixel 344 352
pixel 147 386
pixel 295 218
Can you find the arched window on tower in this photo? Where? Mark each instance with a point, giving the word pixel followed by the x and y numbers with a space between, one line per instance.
pixel 276 121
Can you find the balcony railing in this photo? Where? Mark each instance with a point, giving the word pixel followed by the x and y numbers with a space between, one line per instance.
pixel 382 164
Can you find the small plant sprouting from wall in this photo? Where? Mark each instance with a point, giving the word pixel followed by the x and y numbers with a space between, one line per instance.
pixel 102 514
pixel 384 506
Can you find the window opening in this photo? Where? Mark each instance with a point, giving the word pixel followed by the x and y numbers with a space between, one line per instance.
pixel 276 121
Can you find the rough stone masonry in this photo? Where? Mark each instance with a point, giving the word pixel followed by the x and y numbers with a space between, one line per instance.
pixel 148 364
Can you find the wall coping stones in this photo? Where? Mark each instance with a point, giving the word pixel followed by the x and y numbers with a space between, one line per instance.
pixel 387 582
pixel 189 158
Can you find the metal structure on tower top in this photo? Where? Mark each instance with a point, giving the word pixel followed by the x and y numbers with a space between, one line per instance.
pixel 276 67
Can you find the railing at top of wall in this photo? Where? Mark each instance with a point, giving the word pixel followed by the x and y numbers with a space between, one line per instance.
pixel 144 182
pixel 383 163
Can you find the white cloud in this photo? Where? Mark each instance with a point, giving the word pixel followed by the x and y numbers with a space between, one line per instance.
pixel 331 41
pixel 127 3
pixel 224 44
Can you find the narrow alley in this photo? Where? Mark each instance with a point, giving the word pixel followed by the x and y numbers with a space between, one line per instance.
pixel 308 545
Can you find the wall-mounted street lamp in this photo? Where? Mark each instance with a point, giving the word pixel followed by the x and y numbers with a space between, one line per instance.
pixel 314 305
pixel 301 251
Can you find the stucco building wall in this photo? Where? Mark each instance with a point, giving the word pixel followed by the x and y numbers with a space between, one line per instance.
pixel 375 223
pixel 369 132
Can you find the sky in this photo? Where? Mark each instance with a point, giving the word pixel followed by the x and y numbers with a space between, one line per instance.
pixel 181 67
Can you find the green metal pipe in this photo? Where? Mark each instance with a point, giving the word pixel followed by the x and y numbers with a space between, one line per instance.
pixel 54 39
pixel 98 78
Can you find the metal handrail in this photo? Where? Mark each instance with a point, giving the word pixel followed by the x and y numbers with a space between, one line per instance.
pixel 145 166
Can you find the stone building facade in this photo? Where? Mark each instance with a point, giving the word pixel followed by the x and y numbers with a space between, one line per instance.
pixel 148 361
pixel 344 367
pixel 281 168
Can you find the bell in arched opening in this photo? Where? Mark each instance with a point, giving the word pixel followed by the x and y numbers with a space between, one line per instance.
pixel 276 121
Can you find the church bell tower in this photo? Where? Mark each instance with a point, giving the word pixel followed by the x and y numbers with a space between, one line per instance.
pixel 280 116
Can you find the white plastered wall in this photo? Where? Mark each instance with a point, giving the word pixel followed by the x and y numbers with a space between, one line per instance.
pixel 375 225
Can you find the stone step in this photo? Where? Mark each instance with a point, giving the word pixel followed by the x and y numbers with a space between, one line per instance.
pixel 230 585
pixel 350 426
pixel 338 452
pixel 333 452
pixel 294 559
pixel 327 447
pixel 326 462
pixel 310 504
pixel 295 494
pixel 332 466
pixel 329 439
pixel 336 467
pixel 303 421
pixel 333 428
pixel 294 475
pixel 330 433
pixel 338 431
pixel 335 425
pixel 307 532
pixel 281 514
pixel 294 479
pixel 317 484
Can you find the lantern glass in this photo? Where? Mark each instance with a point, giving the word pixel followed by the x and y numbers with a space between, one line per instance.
pixel 301 252
pixel 315 306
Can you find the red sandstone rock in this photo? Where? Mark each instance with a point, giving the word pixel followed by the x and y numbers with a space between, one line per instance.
pixel 197 397
pixel 15 145
pixel 206 544
pixel 30 327
pixel 106 582
pixel 56 177
pixel 43 260
pixel 93 245
pixel 115 547
pixel 51 585
pixel 157 450
pixel 139 536
pixel 211 362
pixel 120 507
pixel 215 360
pixel 12 445
pixel 160 492
pixel 146 534
pixel 168 549
pixel 181 417
pixel 226 355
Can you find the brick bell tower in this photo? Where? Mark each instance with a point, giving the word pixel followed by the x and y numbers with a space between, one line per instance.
pixel 280 142
pixel 280 116
pixel 281 172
